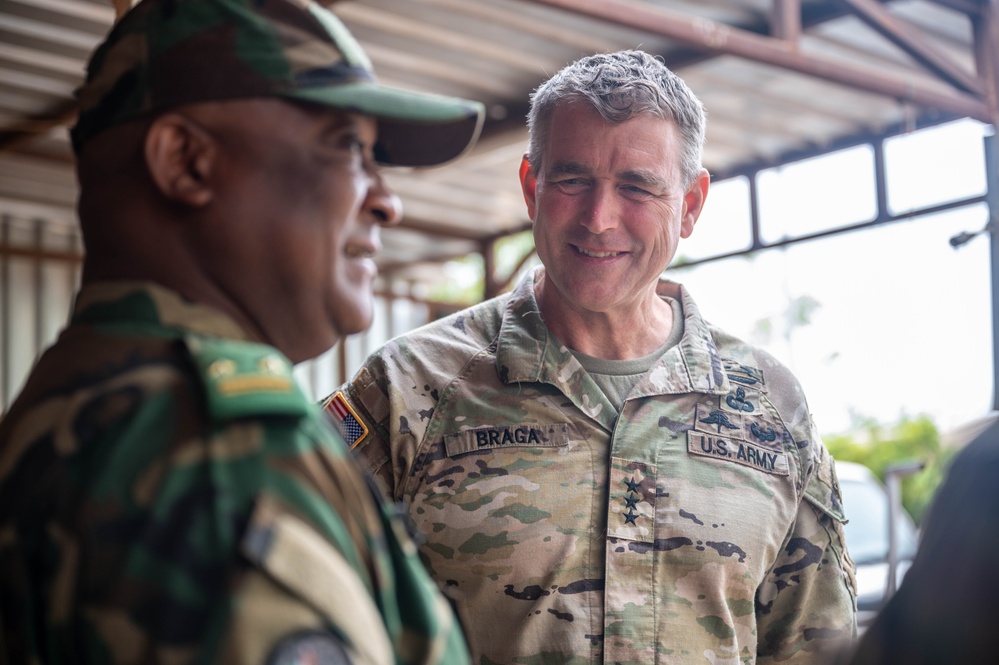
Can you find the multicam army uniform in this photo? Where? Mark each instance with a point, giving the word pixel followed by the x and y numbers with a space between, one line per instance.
pixel 167 494
pixel 703 524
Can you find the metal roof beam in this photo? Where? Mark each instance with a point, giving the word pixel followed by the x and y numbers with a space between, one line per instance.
pixel 969 7
pixel 31 128
pixel 903 36
pixel 786 20
pixel 722 38
pixel 388 268
pixel 749 169
pixel 437 231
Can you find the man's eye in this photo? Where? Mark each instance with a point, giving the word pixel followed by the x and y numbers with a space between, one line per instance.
pixel 348 141
pixel 635 192
pixel 354 144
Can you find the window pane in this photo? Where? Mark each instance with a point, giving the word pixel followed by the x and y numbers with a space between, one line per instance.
pixel 724 223
pixel 934 166
pixel 818 194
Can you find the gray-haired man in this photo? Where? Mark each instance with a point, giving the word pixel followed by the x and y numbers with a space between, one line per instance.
pixel 601 475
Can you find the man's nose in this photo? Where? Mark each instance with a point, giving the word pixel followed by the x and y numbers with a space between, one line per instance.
pixel 383 204
pixel 601 211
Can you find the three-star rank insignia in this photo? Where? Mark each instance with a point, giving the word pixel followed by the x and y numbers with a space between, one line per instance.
pixel 632 500
pixel 345 419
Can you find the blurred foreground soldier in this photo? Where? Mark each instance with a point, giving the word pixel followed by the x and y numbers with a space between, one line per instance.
pixel 947 607
pixel 167 493
pixel 601 475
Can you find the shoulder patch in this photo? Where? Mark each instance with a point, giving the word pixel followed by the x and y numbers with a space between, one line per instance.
pixel 744 374
pixel 309 647
pixel 245 378
pixel 731 437
pixel 351 427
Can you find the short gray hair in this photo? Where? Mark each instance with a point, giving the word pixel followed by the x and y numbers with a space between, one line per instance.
pixel 620 86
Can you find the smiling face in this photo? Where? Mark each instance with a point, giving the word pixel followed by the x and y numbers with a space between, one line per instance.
pixel 303 202
pixel 609 209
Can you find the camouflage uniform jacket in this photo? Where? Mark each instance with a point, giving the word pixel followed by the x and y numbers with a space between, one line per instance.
pixel 168 495
pixel 702 525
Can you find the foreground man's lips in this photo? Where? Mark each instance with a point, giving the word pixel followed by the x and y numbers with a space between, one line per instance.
pixel 596 254
pixel 358 252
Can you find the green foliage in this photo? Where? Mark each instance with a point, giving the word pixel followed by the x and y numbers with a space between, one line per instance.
pixel 511 249
pixel 799 313
pixel 877 446
pixel 464 282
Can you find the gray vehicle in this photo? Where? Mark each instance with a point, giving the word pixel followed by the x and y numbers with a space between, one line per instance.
pixel 868 506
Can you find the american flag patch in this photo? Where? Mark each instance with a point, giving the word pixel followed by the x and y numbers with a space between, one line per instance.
pixel 345 418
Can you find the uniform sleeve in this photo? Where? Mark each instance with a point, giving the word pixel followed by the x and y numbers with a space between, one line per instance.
pixel 806 607
pixel 320 569
pixel 327 572
pixel 289 601
pixel 360 410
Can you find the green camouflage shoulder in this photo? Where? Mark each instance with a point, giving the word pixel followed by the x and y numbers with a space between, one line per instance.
pixel 191 503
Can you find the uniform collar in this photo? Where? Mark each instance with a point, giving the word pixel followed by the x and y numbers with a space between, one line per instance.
pixel 528 351
pixel 694 364
pixel 145 303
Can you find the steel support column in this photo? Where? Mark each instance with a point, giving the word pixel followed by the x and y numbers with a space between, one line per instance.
pixel 490 282
pixel 5 344
pixel 992 199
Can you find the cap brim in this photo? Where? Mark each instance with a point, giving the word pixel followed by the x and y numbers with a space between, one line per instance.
pixel 414 129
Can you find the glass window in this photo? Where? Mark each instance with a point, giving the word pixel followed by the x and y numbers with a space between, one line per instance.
pixel 935 165
pixel 818 194
pixel 724 224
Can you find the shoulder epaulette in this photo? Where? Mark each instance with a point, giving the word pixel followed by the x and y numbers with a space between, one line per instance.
pixel 245 378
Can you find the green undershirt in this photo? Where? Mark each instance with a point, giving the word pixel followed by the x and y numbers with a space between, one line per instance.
pixel 616 378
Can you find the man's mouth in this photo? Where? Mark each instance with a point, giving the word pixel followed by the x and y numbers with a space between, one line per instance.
pixel 356 252
pixel 597 254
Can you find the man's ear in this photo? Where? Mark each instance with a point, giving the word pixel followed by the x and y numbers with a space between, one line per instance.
pixel 693 202
pixel 181 156
pixel 529 185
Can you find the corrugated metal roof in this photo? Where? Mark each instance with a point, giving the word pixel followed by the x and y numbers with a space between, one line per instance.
pixel 780 78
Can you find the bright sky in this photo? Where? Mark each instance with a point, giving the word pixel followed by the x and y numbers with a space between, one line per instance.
pixel 902 322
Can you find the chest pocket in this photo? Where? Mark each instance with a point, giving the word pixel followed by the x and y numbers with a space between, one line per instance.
pixel 631 511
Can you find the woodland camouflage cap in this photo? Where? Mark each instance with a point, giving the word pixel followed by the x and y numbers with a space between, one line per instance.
pixel 164 53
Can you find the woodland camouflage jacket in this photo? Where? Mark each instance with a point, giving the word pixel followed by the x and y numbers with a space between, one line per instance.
pixel 168 495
